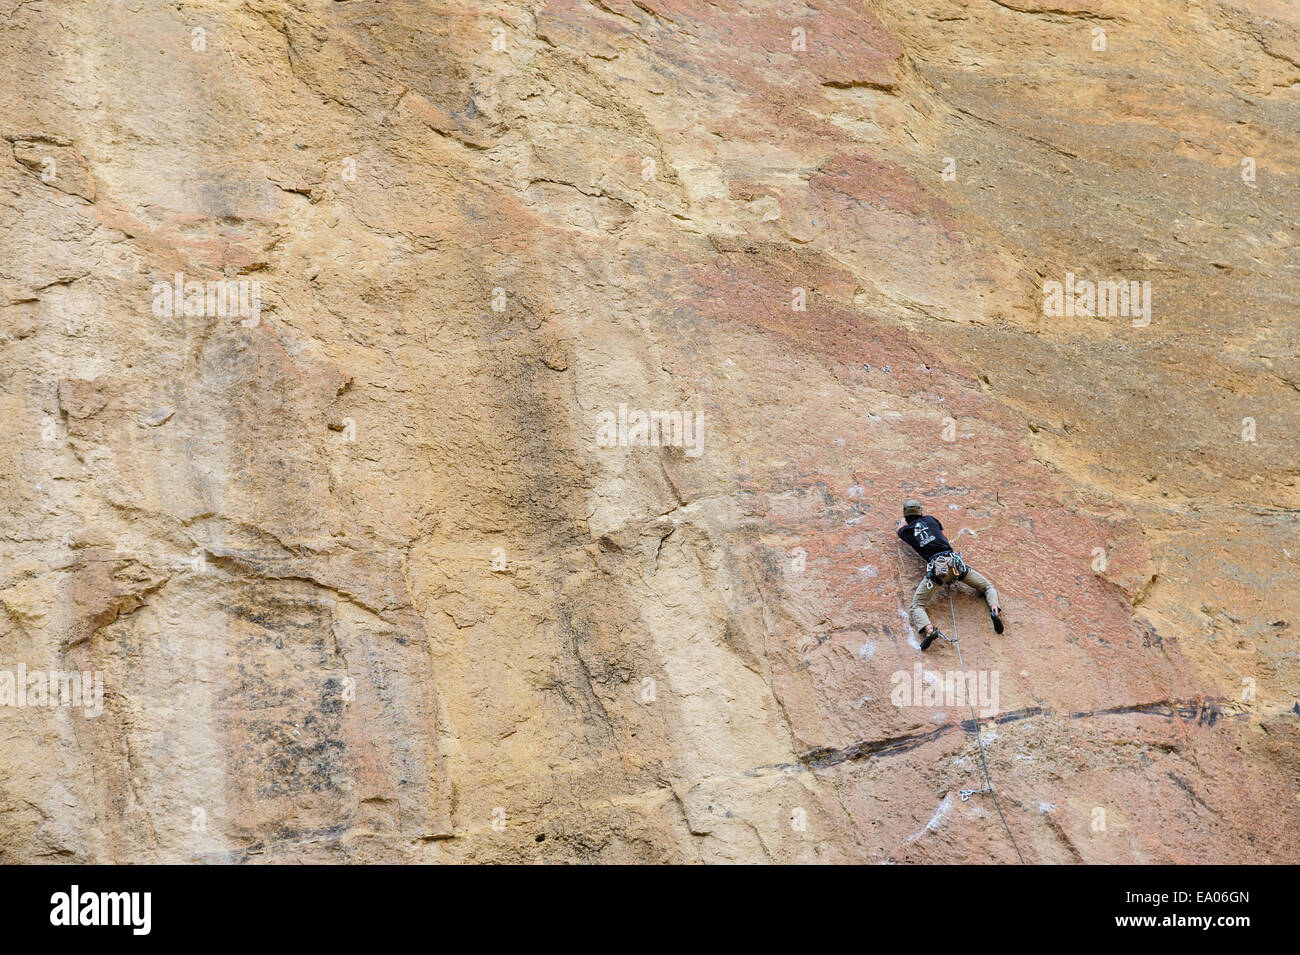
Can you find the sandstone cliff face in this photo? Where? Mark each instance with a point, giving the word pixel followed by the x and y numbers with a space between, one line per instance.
pixel 365 581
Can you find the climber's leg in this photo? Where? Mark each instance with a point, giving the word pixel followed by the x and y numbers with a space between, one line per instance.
pixel 985 586
pixel 925 592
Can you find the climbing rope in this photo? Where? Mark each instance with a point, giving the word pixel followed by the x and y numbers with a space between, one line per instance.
pixel 979 739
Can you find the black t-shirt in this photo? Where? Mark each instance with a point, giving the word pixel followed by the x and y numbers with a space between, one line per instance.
pixel 925 536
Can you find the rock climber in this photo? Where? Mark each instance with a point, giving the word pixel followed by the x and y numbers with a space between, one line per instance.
pixel 924 534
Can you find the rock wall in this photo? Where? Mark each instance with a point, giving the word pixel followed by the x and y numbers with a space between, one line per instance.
pixel 358 531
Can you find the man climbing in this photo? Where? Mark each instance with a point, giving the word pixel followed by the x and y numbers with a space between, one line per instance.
pixel 924 535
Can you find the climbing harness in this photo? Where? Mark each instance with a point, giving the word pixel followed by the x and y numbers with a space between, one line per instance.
pixel 946 567
pixel 979 739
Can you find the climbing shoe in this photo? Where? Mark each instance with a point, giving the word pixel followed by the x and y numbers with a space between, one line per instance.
pixel 997 621
pixel 933 635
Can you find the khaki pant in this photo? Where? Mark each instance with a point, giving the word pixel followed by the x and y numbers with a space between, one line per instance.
pixel 928 589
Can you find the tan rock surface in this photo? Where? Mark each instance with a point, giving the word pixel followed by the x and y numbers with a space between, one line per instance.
pixel 360 577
